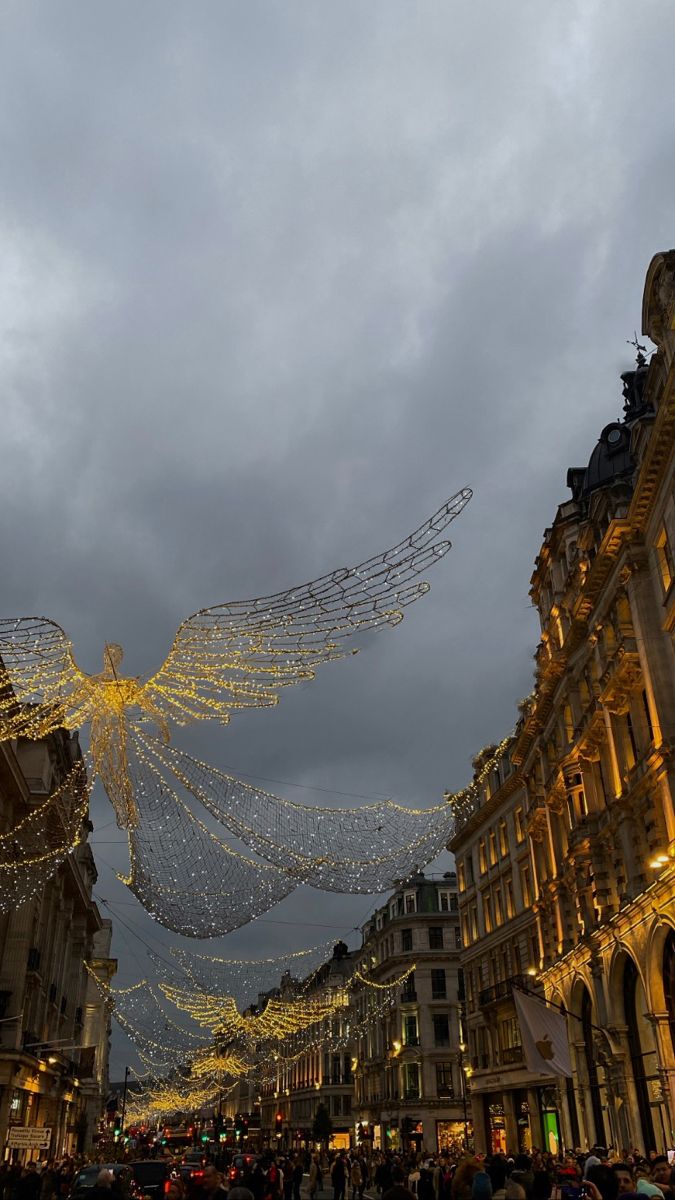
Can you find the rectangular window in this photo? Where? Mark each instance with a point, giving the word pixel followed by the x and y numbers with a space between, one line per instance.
pixel 492 841
pixel 508 896
pixel 392 910
pixel 444 1082
pixel 503 839
pixel 518 823
pixel 438 984
pixel 487 911
pixel 474 922
pixel 461 882
pixel 410 1031
pixel 411 1081
pixel 664 556
pixel 458 938
pixel 499 912
pixel 469 869
pixel 441 1029
pixel 526 885
pixel 408 993
pixel 482 856
pixel 406 941
pixel 410 902
pixel 436 937
pixel 347 1068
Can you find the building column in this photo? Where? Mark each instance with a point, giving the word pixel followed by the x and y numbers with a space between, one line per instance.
pixel 536 1121
pixel 510 1122
pixel 477 1108
pixel 665 1056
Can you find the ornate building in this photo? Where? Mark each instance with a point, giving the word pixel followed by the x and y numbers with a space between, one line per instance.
pixel 592 763
pixel 310 1073
pixel 409 1082
pixel 511 1107
pixel 54 1027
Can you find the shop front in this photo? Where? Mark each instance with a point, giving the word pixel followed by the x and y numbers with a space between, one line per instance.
pixel 450 1136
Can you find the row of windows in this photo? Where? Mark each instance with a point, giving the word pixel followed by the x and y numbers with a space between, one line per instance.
pixel 435 937
pixel 491 849
pixel 374 1086
pixel 411 1033
pixel 497 905
pixel 407 903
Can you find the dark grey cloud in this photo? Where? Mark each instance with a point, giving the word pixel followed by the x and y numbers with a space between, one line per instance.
pixel 279 277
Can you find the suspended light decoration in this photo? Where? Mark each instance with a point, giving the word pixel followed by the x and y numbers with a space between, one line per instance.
pixel 364 849
pixel 35 848
pixel 223 659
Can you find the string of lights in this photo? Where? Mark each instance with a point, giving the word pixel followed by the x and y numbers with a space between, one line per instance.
pixel 223 659
pixel 32 851
pixel 365 849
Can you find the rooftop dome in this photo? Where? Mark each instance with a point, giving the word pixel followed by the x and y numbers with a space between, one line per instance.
pixel 611 459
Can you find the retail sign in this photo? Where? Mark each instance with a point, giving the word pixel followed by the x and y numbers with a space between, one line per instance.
pixel 29 1137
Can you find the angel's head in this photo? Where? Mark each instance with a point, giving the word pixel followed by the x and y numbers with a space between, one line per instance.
pixel 112 658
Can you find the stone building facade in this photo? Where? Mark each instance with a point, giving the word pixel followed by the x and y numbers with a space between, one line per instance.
pixel 511 1108
pixel 592 764
pixel 308 1074
pixel 408 1073
pixel 54 1029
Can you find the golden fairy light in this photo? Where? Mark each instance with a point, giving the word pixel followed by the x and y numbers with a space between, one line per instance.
pixel 223 659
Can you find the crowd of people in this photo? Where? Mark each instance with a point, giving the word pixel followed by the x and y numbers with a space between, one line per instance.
pixel 48 1180
pixel 349 1175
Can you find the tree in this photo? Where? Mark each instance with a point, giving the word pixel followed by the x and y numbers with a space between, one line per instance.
pixel 322 1127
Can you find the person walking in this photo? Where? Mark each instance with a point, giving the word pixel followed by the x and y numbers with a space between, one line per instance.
pixel 338 1175
pixel 315 1177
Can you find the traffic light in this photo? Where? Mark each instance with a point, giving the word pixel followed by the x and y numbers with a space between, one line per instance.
pixel 117 1129
pixel 278 1122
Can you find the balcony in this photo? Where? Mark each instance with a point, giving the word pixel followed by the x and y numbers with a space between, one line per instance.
pixel 503 990
pixel 411 1094
pixel 411 1041
pixel 511 1055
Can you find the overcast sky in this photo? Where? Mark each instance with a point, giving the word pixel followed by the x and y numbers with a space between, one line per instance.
pixel 277 278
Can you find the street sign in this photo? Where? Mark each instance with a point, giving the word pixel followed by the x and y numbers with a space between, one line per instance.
pixel 29 1137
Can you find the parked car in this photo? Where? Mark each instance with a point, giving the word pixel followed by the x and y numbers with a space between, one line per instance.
pixel 152 1176
pixel 85 1180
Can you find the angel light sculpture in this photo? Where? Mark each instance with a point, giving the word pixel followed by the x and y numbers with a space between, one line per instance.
pixel 227 658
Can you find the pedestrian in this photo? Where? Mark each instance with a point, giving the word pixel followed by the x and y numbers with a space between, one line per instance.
pixel 29 1184
pixel 212 1183
pixel 338 1175
pixel 298 1173
pixel 315 1177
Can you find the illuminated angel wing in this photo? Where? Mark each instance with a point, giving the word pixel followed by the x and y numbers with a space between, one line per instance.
pixel 41 685
pixel 240 654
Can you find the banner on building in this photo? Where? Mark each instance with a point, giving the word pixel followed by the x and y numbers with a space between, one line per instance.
pixel 543 1032
pixel 29 1137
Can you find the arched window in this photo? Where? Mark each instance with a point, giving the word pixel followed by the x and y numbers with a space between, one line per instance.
pixel 591 1067
pixel 631 982
pixel 669 981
